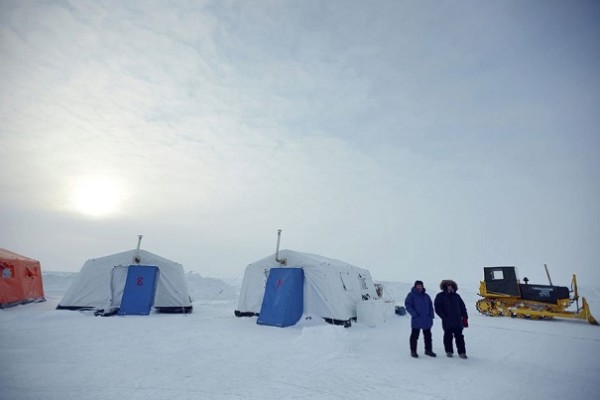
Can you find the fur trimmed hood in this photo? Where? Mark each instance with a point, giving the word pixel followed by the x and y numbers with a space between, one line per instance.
pixel 447 282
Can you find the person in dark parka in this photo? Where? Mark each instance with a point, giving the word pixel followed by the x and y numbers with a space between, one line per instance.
pixel 419 306
pixel 450 307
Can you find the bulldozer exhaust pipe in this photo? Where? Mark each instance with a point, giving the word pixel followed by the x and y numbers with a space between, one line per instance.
pixel 548 275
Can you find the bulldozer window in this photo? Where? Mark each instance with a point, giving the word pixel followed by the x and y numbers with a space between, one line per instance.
pixel 498 275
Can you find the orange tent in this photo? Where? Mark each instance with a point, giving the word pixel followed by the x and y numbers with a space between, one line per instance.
pixel 20 279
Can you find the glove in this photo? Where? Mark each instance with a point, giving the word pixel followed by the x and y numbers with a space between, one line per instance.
pixel 465 322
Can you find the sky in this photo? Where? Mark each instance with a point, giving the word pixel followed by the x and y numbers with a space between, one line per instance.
pixel 420 140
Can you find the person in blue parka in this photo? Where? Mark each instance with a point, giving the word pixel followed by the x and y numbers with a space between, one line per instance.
pixel 418 304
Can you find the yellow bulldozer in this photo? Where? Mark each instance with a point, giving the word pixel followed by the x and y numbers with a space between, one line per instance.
pixel 505 296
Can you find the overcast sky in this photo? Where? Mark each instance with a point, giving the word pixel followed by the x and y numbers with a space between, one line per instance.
pixel 418 139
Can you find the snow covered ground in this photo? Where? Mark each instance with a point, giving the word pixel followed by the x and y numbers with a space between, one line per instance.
pixel 210 354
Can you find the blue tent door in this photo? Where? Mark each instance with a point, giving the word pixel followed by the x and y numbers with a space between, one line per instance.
pixel 283 301
pixel 140 286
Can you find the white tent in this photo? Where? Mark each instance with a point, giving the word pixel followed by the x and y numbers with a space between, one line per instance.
pixel 101 283
pixel 332 288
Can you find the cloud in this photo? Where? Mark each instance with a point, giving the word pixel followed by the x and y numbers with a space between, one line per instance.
pixel 403 137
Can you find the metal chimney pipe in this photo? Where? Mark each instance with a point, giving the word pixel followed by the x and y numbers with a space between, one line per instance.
pixel 282 261
pixel 136 257
pixel 277 248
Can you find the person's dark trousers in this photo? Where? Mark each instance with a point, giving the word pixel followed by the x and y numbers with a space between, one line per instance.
pixel 414 338
pixel 450 334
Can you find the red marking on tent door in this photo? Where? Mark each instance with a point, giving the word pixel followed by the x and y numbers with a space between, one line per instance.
pixel 279 283
pixel 140 281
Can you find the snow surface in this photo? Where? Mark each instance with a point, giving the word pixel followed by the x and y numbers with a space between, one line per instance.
pixel 210 354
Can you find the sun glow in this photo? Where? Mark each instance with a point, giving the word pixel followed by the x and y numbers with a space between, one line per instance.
pixel 96 197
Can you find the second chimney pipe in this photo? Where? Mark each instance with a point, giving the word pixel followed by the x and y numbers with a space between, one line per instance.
pixel 281 261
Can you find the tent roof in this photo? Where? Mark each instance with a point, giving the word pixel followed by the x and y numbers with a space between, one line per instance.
pixel 9 255
pixel 302 260
pixel 126 258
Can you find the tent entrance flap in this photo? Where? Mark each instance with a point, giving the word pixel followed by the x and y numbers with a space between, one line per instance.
pixel 140 288
pixel 283 301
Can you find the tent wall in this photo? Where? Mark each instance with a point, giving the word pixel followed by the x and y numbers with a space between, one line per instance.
pixel 118 279
pixel 253 289
pixel 20 280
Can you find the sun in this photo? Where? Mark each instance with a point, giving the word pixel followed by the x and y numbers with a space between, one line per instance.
pixel 96 197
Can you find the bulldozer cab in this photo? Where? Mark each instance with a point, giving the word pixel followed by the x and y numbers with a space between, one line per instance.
pixel 502 280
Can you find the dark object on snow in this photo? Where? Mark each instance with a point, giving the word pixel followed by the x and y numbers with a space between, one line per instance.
pixel 106 313
pixel 174 310
pixel 244 314
pixel 345 324
pixel 400 310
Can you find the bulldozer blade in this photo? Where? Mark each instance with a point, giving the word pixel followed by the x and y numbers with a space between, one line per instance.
pixel 586 310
